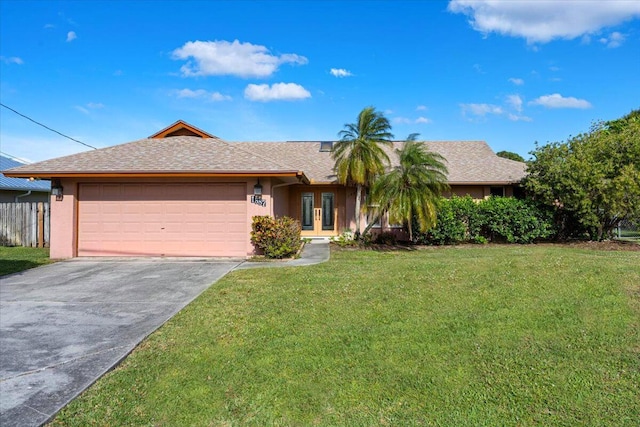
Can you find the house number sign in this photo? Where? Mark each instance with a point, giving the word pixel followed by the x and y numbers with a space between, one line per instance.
pixel 257 200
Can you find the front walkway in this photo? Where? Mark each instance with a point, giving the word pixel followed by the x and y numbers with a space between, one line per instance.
pixel 314 252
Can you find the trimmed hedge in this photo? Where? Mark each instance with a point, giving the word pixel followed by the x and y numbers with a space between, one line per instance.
pixel 276 237
pixel 496 219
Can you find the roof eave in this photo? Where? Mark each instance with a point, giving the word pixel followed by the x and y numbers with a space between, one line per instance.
pixel 33 190
pixel 484 182
pixel 153 174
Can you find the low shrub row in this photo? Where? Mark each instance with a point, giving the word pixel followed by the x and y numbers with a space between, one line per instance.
pixel 497 219
pixel 276 237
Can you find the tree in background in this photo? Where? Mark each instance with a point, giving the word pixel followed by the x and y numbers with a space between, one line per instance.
pixel 412 188
pixel 360 154
pixel 510 155
pixel 592 181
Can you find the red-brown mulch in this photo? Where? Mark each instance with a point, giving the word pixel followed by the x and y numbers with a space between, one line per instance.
pixel 608 245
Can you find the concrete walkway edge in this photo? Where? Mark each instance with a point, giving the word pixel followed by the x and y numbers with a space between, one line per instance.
pixel 314 252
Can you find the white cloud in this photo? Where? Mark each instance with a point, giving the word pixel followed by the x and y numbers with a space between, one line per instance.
pixel 516 81
pixel 117 73
pixel 614 40
pixel 71 36
pixel 515 102
pixel 421 108
pixel 11 60
pixel 402 120
pixel 544 20
pixel 202 94
pixel 481 109
pixel 558 101
pixel 48 26
pixel 518 118
pixel 188 93
pixel 408 121
pixel 217 96
pixel 86 109
pixel 340 72
pixel 278 91
pixel 217 58
pixel 82 109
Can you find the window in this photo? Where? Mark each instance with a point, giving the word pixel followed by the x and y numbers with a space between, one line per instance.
pixel 370 216
pixel 396 225
pixel 497 191
pixel 326 146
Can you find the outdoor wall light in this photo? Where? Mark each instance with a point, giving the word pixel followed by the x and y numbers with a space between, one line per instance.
pixel 257 190
pixel 57 190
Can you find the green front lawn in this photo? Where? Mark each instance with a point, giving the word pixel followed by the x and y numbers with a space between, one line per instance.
pixel 15 259
pixel 474 336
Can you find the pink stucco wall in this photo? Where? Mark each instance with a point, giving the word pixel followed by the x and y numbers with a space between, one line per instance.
pixel 64 213
pixel 63 222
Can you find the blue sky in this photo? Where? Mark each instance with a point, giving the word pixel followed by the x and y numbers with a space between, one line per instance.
pixel 510 73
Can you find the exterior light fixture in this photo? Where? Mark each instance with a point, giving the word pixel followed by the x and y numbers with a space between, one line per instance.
pixel 257 190
pixel 256 198
pixel 56 189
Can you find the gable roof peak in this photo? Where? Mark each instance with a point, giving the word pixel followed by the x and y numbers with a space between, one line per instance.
pixel 181 128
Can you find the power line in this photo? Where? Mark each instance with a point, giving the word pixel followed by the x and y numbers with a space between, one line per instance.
pixel 11 156
pixel 47 127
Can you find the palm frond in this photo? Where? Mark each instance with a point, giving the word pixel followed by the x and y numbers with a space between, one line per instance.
pixel 413 186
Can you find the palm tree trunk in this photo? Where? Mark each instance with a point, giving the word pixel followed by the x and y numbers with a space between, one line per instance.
pixel 358 196
pixel 370 225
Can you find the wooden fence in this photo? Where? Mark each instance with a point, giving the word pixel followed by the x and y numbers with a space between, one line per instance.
pixel 24 224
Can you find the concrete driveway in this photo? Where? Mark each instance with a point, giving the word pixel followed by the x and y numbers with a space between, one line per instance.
pixel 64 325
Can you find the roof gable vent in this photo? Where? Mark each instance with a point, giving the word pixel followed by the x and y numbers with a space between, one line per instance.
pixel 326 146
pixel 181 128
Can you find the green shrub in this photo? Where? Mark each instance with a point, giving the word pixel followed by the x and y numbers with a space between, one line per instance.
pixel 276 237
pixel 456 222
pixel 346 239
pixel 505 219
pixel 497 219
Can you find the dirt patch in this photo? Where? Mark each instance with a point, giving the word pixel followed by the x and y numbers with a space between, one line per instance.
pixel 609 245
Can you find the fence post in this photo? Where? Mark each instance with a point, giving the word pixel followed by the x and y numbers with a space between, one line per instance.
pixel 40 225
pixel 47 225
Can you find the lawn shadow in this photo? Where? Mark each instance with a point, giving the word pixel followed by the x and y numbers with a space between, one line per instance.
pixel 10 266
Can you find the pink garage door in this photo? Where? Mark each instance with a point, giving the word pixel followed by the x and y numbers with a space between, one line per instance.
pixel 162 220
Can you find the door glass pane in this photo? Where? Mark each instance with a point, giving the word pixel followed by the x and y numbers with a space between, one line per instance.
pixel 327 211
pixel 307 211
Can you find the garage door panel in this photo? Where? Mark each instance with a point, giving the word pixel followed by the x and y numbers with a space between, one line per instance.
pixel 162 219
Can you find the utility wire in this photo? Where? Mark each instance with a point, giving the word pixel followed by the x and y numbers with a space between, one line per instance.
pixel 11 156
pixel 47 127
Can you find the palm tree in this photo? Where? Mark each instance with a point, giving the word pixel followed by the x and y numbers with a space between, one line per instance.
pixel 359 154
pixel 412 188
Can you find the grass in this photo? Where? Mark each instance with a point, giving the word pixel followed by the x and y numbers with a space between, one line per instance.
pixel 479 336
pixel 15 259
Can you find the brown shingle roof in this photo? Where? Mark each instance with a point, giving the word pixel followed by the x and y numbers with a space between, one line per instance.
pixel 174 154
pixel 468 161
